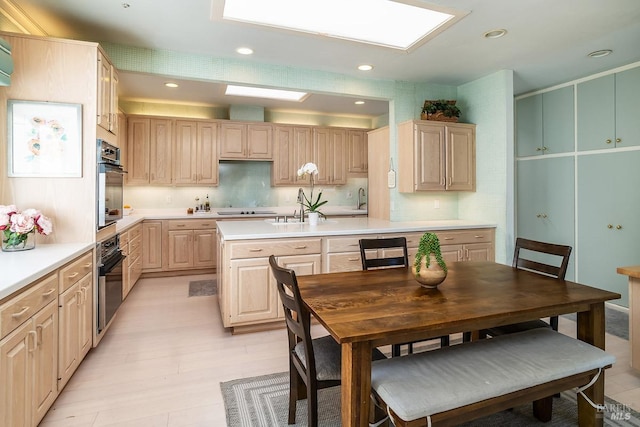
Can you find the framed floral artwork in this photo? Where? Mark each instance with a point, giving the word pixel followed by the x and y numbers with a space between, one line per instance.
pixel 45 139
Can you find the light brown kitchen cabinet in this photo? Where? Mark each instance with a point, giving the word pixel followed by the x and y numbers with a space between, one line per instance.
pixel 191 244
pixel 292 148
pixel 357 154
pixel 29 354
pixel 329 154
pixel 131 245
pixel 151 246
pixel 149 147
pixel 246 141
pixel 436 156
pixel 107 111
pixel 467 245
pixel 195 159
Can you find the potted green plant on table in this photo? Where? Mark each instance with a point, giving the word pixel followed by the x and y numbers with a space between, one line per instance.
pixel 429 267
pixel 440 110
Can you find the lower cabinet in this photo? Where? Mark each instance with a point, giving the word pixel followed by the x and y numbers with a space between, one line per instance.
pixel 192 244
pixel 131 246
pixel 468 245
pixel 152 246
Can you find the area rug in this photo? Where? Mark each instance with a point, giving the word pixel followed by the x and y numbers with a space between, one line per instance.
pixel 263 402
pixel 203 288
pixel 616 321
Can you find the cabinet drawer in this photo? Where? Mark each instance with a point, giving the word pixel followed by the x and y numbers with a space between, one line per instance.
pixel 75 271
pixel 124 239
pixel 346 244
pixel 192 224
pixel 20 308
pixel 275 247
pixel 466 236
pixel 135 247
pixel 134 232
pixel 346 261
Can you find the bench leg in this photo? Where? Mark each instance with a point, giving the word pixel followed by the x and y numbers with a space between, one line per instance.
pixel 543 408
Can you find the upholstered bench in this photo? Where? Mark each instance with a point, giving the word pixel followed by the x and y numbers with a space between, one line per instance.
pixel 455 384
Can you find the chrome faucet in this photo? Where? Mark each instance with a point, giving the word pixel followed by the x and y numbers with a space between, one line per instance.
pixel 360 202
pixel 301 201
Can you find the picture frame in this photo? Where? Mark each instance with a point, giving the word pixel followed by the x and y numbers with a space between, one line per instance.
pixel 44 139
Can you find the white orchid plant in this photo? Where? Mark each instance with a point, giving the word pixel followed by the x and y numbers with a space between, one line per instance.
pixel 16 226
pixel 312 205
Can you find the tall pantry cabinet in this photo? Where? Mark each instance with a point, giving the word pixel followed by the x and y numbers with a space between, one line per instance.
pixel 577 157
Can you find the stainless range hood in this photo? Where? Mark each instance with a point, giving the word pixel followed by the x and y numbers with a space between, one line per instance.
pixel 6 63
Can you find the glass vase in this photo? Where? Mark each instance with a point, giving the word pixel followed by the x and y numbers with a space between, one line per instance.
pixel 14 242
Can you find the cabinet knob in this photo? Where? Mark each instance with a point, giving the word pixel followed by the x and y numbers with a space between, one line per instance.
pixel 618 227
pixel 608 141
pixel 618 139
pixel 538 149
pixel 544 148
pixel 609 226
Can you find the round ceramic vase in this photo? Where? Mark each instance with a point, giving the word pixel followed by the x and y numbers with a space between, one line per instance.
pixel 429 277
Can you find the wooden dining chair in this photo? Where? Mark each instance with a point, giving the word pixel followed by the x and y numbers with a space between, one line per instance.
pixel 314 362
pixel 560 252
pixel 399 244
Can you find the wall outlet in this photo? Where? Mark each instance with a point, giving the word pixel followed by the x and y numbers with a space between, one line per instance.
pixel 169 200
pixel 349 195
pixel 436 204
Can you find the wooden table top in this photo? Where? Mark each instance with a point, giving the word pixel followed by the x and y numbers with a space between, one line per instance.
pixel 631 271
pixel 389 306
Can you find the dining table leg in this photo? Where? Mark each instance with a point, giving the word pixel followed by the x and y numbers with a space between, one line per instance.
pixel 591 329
pixel 356 383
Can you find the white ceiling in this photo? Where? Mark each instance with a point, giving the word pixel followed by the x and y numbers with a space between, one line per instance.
pixel 547 43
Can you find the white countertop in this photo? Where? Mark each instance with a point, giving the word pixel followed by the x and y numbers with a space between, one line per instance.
pixel 24 267
pixel 261 229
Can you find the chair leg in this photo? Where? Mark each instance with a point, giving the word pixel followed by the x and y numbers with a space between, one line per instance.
pixel 395 350
pixel 466 337
pixel 444 341
pixel 294 385
pixel 543 408
pixel 410 351
pixel 312 405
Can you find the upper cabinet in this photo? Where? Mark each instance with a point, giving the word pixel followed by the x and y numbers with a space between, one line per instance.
pixel 107 114
pixel 251 141
pixel 545 123
pixel 195 152
pixel 329 149
pixel 148 151
pixel 606 116
pixel 357 155
pixel 436 156
pixel 292 148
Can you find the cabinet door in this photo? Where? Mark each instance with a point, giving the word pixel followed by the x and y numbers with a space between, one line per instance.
pixel 45 380
pixel 608 226
pixel 114 124
pixel 337 157
pixel 478 252
pixel 180 249
pixel 627 96
pixel 429 157
pixel 233 138
pixel 85 328
pixel 284 168
pixel 451 253
pixel 321 144
pixel 303 265
pixel 596 113
pixel 137 164
pixel 151 245
pixel 358 162
pixel 207 153
pixel 545 203
pixel 160 151
pixel 529 126
pixel 16 371
pixel 461 159
pixel 69 318
pixel 255 296
pixel 558 121
pixel 204 248
pixel 184 159
pixel 104 91
pixel 259 143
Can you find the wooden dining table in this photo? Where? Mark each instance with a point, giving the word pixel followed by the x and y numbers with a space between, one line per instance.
pixel 367 309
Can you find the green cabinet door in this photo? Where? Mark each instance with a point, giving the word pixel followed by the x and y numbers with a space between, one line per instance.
pixel 609 220
pixel 529 126
pixel 545 203
pixel 628 108
pixel 558 121
pixel 596 113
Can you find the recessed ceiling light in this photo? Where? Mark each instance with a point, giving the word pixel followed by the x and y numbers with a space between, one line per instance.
pixel 260 92
pixel 171 84
pixel 244 50
pixel 495 34
pixel 365 67
pixel 407 23
pixel 600 53
pixel 126 5
pixel 359 102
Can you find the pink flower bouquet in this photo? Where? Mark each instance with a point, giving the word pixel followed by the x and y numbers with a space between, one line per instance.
pixel 16 226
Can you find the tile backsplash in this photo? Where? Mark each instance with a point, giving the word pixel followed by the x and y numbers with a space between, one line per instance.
pixel 241 184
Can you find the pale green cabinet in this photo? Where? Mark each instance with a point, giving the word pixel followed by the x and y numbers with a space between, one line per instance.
pixel 545 203
pixel 608 225
pixel 608 111
pixel 545 123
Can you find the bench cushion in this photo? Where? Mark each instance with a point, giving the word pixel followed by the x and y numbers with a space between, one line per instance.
pixel 431 382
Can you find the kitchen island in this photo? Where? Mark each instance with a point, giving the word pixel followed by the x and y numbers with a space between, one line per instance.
pixel 247 291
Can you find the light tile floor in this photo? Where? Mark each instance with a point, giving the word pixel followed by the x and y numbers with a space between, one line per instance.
pixel 162 361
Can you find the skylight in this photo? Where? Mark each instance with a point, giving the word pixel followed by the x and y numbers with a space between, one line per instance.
pixel 391 23
pixel 260 92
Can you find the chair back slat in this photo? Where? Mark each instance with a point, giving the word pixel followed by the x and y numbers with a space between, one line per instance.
pixel 557 271
pixel 387 243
